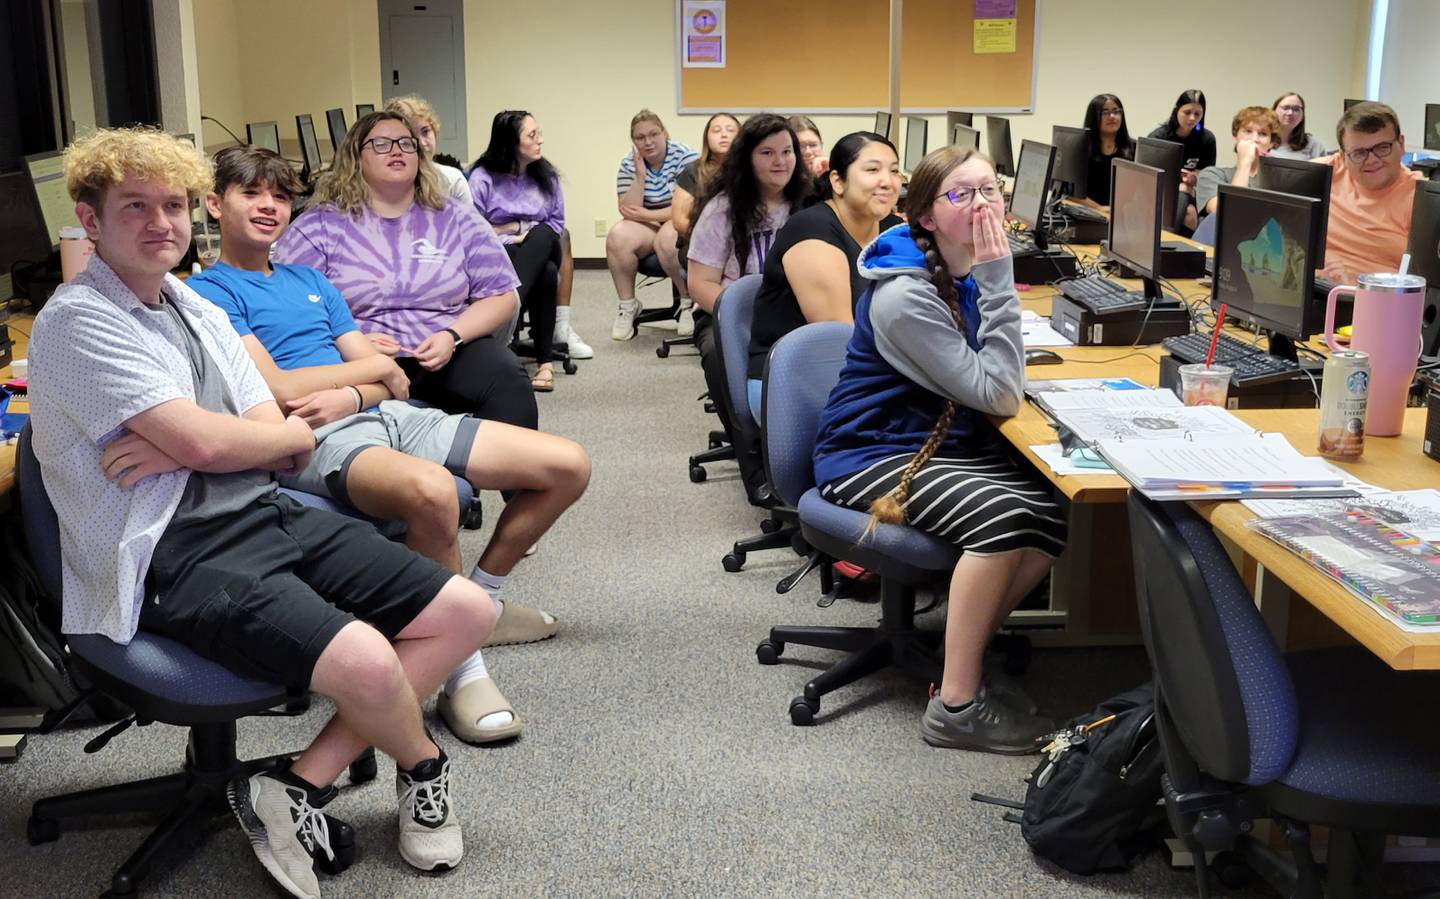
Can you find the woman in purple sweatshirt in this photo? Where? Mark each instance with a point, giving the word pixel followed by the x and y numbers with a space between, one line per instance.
pixel 425 277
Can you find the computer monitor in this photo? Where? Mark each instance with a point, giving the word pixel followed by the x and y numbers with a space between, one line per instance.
pixel 1303 179
pixel 956 117
pixel 917 133
pixel 263 134
pixel 335 121
pixel 1168 157
pixel 1032 187
pixel 1432 126
pixel 997 141
pixel 309 144
pixel 363 109
pixel 52 201
pixel 1351 102
pixel 965 136
pixel 1072 158
pixel 1136 202
pixel 882 124
pixel 1424 249
pixel 1264 267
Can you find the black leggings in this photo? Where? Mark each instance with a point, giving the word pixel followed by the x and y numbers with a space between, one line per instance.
pixel 537 265
pixel 483 379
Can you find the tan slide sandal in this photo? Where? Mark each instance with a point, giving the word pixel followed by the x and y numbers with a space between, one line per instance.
pixel 472 702
pixel 519 624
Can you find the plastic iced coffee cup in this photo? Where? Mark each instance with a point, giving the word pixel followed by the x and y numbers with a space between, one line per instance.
pixel 1204 385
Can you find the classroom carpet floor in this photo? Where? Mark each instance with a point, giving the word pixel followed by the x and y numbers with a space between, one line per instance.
pixel 658 757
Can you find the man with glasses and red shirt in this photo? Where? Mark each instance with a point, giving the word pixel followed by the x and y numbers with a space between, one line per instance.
pixel 1371 193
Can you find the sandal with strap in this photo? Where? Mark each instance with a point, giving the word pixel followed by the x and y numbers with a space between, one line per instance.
pixel 470 704
pixel 544 380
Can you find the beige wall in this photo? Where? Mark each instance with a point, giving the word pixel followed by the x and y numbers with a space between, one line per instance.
pixel 217 51
pixel 583 68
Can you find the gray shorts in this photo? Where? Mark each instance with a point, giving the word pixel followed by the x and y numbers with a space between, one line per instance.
pixel 418 431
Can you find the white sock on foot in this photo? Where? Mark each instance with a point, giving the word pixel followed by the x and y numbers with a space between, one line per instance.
pixel 492 583
pixel 562 318
pixel 473 669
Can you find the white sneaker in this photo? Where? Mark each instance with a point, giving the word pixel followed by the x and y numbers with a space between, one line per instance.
pixel 287 832
pixel 430 837
pixel 625 327
pixel 685 327
pixel 579 349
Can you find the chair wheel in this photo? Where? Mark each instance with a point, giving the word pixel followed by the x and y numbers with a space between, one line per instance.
pixel 569 367
pixel 342 843
pixel 1232 873
pixel 662 351
pixel 363 769
pixel 768 652
pixel 733 561
pixel 769 526
pixel 697 474
pixel 41 830
pixel 121 885
pixel 803 711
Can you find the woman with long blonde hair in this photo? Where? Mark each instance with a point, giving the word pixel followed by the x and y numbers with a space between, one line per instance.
pixel 427 281
pixel 904 435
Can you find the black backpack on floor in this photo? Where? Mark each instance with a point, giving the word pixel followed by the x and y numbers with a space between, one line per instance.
pixel 1091 803
pixel 34 666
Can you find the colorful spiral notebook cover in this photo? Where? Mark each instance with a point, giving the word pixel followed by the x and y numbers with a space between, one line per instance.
pixel 1374 560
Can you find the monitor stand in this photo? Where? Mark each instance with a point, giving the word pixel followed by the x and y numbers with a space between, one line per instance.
pixel 1283 347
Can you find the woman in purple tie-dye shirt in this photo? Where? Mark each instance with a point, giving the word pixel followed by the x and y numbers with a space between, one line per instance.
pixel 425 277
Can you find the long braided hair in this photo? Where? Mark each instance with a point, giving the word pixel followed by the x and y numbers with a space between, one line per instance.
pixel 925 184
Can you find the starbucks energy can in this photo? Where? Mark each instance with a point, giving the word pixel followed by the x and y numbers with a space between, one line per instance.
pixel 1343 395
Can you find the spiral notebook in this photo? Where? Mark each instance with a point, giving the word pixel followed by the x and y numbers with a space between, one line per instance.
pixel 1397 572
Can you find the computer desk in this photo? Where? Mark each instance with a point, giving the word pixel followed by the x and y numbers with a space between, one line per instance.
pixel 1274 573
pixel 21 336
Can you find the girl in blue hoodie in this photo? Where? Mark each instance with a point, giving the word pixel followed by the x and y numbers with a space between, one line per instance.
pixel 936 348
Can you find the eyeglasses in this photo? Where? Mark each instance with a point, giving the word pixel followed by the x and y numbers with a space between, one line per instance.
pixel 1381 151
pixel 383 145
pixel 1292 109
pixel 961 197
pixel 1112 113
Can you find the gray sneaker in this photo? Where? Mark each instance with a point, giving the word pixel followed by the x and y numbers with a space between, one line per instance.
pixel 287 831
pixel 430 837
pixel 986 725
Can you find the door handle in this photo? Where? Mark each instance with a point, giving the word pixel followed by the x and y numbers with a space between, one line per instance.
pixel 395 77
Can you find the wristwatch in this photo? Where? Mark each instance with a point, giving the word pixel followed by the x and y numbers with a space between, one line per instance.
pixel 455 334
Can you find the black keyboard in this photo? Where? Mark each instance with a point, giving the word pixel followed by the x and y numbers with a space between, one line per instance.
pixel 1323 286
pixel 1082 213
pixel 1101 295
pixel 1020 243
pixel 1253 366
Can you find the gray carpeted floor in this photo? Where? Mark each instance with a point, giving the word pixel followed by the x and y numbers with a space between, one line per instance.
pixel 658 756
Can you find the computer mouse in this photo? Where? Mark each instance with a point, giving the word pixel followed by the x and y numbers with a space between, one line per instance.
pixel 1042 357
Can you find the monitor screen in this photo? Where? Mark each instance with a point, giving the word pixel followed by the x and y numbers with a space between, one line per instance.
pixel 1135 205
pixel 882 124
pixel 57 210
pixel 362 109
pixel 1168 157
pixel 956 117
pixel 263 134
pixel 997 141
pixel 1032 183
pixel 1072 157
pixel 1432 126
pixel 917 131
pixel 309 145
pixel 965 136
pixel 1303 179
pixel 335 121
pixel 1424 243
pixel 1350 102
pixel 1264 270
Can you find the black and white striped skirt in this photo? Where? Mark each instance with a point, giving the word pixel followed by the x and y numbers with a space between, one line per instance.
pixel 984 503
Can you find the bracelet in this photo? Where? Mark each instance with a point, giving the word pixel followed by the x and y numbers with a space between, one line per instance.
pixel 359 398
pixel 455 334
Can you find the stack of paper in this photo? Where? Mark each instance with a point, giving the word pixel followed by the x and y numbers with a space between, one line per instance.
pixel 1213 466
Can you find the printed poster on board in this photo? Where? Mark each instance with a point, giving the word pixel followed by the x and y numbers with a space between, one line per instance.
pixel 702 34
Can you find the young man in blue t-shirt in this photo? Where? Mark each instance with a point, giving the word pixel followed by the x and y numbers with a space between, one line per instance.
pixel 386 457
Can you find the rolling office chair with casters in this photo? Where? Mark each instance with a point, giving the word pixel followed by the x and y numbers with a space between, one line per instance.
pixel 1329 736
pixel 525 349
pixel 803 367
pixel 161 680
pixel 654 273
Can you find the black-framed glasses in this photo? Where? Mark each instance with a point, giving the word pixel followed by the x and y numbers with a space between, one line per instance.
pixel 383 145
pixel 961 197
pixel 1380 150
pixel 1292 109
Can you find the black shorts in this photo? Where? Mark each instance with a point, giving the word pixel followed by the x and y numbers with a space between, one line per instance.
pixel 264 590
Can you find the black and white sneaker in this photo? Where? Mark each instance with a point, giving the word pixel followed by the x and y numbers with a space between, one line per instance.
pixel 286 828
pixel 985 725
pixel 430 837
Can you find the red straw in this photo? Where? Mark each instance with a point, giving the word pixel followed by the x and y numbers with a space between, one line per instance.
pixel 1215 337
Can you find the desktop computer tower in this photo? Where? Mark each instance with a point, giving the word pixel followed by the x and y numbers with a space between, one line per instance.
pixel 1083 327
pixel 1431 443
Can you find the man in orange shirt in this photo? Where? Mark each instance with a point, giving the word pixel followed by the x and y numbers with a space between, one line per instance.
pixel 1371 194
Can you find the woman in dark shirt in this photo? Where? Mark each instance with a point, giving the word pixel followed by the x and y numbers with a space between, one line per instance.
pixel 1109 139
pixel 810 273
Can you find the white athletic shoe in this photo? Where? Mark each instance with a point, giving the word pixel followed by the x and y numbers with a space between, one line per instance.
pixel 685 327
pixel 624 327
pixel 430 837
pixel 287 832
pixel 579 349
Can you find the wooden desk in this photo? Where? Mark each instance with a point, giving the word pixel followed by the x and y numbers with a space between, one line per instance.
pixel 21 336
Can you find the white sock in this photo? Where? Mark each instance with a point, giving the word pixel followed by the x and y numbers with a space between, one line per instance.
pixel 562 318
pixel 492 583
pixel 468 671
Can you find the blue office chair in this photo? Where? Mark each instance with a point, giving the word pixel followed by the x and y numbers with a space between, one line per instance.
pixel 160 680
pixel 1205 231
pixel 1329 736
pixel 803 367
pixel 741 299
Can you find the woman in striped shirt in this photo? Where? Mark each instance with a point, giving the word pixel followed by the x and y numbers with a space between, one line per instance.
pixel 644 207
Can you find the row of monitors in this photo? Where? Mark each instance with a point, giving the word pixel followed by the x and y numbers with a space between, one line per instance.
pixel 267 134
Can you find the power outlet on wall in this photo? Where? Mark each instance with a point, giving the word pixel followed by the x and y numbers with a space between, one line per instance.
pixel 600 229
